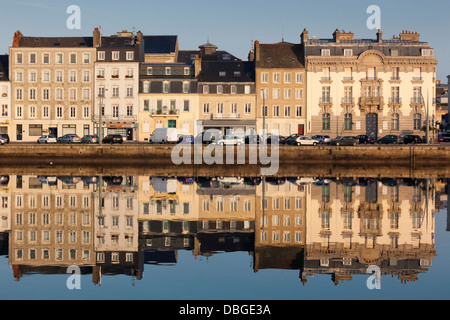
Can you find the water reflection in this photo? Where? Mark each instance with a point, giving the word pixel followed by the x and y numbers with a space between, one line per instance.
pixel 110 225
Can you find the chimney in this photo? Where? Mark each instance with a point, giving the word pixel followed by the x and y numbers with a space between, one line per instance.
pixel 197 65
pixel 304 36
pixel 250 55
pixel 410 36
pixel 379 36
pixel 257 50
pixel 337 36
pixel 16 40
pixel 97 37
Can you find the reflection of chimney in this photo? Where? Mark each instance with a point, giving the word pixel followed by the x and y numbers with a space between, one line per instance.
pixel 197 65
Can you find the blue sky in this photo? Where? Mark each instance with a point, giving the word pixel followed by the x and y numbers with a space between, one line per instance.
pixel 232 24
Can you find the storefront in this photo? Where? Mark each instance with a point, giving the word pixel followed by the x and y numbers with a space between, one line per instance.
pixel 125 130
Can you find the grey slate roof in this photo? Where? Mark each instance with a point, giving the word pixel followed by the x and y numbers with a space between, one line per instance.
pixel 48 42
pixel 160 44
pixel 280 55
pixel 227 71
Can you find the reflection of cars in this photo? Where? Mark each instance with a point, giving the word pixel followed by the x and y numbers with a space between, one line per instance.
pixel 5 136
pixel 231 140
pixel 252 139
pixel 113 138
pixel 322 139
pixel 69 138
pixel 306 141
pixel 208 136
pixel 446 137
pixel 90 139
pixel 345 141
pixel 366 139
pixel 185 138
pixel 46 139
pixel 273 138
pixel 411 138
pixel 389 139
pixel 440 137
pixel 4 180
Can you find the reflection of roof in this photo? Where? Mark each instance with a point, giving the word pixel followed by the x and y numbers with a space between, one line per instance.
pixel 4 67
pixel 160 44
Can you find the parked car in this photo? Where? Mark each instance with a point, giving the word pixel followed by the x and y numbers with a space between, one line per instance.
pixel 322 139
pixel 440 137
pixel 283 139
pixel 46 138
pixel 446 137
pixel 366 139
pixel 208 136
pixel 272 138
pixel 185 138
pixel 337 138
pixel 411 138
pixel 90 139
pixel 69 138
pixel 2 141
pixel 306 141
pixel 252 139
pixel 389 139
pixel 292 139
pixel 164 135
pixel 5 136
pixel 231 140
pixel 113 138
pixel 345 141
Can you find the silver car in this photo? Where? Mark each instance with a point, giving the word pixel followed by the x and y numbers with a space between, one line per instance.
pixel 69 138
pixel 322 139
pixel 46 138
pixel 90 139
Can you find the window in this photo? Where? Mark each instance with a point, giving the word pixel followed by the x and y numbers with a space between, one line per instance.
pixel 186 86
pixel 276 78
pixel 19 58
pixel 73 94
pixel 129 110
pixel 130 55
pixel 101 55
pixel 86 58
pixel 248 108
pixel 86 94
pixel 348 124
pixel 298 94
pixel 168 71
pixel 325 52
pixel 186 71
pixel 45 76
pixel 46 58
pixel 287 77
pixel 32 113
pixel 205 89
pixel 73 58
pixel 298 111
pixel 186 105
pixel 72 76
pixel 395 121
pixel 35 130
pixel 129 91
pixel 417 121
pixel 326 121
pixel 233 89
pixel 427 52
pixel 166 87
pixel 206 108
pixel 32 94
pixel 149 71
pixel 33 76
pixel 287 111
pixel 86 112
pixel 19 76
pixel 276 111
pixel 59 76
pixel 299 77
pixel 115 92
pixel 32 58
pixel 219 89
pixel 394 52
pixel 45 94
pixel 59 94
pixel 19 94
pixel 73 112
pixel 264 77
pixel 115 55
pixel 86 76
pixel 348 52
pixel 287 93
pixel 59 112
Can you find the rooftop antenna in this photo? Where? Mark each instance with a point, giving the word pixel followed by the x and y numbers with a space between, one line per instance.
pixel 282 30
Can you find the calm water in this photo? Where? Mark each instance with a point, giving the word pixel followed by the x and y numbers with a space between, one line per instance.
pixel 200 238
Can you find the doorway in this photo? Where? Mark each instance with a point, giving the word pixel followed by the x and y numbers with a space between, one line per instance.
pixel 372 124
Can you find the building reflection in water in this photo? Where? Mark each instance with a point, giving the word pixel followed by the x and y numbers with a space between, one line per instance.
pixel 110 225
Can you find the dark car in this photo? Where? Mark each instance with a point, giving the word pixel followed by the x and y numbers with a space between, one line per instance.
pixel 5 136
pixel 90 139
pixel 345 141
pixel 366 139
pixel 273 138
pixel 113 138
pixel 185 138
pixel 411 138
pixel 292 139
pixel 440 137
pixel 252 139
pixel 446 137
pixel 389 139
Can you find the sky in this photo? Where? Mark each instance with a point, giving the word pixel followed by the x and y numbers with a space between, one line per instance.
pixel 232 25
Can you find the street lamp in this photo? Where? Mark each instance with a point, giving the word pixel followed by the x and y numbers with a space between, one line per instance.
pixel 100 127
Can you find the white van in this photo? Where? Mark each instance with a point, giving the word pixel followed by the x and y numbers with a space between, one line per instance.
pixel 164 135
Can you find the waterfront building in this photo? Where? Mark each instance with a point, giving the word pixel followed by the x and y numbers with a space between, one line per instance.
pixel 168 88
pixel 280 79
pixel 116 72
pixel 52 83
pixel 369 86
pixel 226 88
pixel 442 106
pixel 5 96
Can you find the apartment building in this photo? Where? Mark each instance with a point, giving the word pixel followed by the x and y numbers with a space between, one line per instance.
pixel 117 83
pixel 5 95
pixel 51 86
pixel 168 87
pixel 226 88
pixel 369 86
pixel 280 79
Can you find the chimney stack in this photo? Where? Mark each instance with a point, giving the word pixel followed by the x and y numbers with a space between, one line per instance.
pixel 97 37
pixel 16 40
pixel 379 36
pixel 197 65
pixel 304 36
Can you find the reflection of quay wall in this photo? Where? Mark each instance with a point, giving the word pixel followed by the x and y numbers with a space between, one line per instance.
pixel 52 225
pixel 351 227
pixel 280 229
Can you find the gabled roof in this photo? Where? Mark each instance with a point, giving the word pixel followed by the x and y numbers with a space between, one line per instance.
pixel 160 44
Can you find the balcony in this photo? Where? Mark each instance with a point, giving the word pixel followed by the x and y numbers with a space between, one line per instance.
pixel 395 100
pixel 348 101
pixel 417 79
pixel 325 80
pixel 164 112
pixel 326 100
pixel 417 101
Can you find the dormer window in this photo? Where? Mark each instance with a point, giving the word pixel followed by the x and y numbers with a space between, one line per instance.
pixel 168 71
pixel 222 73
pixel 348 52
pixel 237 73
pixel 326 52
